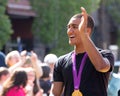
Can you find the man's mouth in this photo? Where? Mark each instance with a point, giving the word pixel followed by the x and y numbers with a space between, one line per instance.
pixel 72 36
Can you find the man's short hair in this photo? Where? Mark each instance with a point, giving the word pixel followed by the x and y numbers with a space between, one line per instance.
pixel 90 23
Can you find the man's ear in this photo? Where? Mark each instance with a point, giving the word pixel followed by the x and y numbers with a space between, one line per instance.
pixel 89 31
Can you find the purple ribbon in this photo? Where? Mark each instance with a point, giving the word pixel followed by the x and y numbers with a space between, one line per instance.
pixel 77 78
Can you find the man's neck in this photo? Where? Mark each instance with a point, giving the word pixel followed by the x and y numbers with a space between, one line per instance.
pixel 79 50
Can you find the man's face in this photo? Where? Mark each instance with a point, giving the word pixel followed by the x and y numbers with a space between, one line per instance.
pixel 73 32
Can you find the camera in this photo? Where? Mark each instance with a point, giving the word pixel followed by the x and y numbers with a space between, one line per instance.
pixel 28 54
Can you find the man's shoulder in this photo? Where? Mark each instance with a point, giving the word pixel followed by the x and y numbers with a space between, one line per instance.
pixel 66 55
pixel 103 51
pixel 107 53
pixel 63 59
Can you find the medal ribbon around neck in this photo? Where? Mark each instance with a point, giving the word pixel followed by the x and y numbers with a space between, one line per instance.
pixel 77 78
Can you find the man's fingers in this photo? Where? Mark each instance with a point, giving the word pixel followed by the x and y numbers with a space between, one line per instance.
pixel 84 13
pixel 83 23
pixel 83 10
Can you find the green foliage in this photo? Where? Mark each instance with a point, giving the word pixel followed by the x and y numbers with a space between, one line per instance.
pixel 3 2
pixel 52 17
pixel 5 25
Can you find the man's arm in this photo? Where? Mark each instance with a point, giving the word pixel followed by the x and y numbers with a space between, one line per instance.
pixel 57 89
pixel 101 64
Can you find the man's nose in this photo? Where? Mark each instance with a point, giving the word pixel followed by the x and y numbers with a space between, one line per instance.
pixel 70 30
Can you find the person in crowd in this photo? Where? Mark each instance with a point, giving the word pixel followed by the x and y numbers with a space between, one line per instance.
pixel 12 58
pixel 2 59
pixel 15 84
pixel 84 71
pixel 51 59
pixel 30 59
pixel 32 88
pixel 4 74
pixel 45 80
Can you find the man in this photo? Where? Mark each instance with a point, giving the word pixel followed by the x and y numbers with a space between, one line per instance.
pixel 86 70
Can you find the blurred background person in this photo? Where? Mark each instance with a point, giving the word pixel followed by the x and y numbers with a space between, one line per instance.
pixel 32 62
pixel 30 59
pixel 45 80
pixel 12 58
pixel 4 74
pixel 32 88
pixel 14 85
pixel 51 59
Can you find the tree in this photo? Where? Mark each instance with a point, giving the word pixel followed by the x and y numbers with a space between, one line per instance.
pixel 5 25
pixel 52 17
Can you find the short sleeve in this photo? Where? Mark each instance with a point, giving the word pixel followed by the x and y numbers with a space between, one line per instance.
pixel 109 55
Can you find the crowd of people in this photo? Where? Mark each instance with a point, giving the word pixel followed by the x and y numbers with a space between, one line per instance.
pixel 24 74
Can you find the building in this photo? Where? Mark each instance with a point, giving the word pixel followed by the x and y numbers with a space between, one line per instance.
pixel 21 16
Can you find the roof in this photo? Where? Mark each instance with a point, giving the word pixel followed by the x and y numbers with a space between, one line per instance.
pixel 20 7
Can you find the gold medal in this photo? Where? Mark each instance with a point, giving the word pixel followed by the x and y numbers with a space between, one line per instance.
pixel 77 93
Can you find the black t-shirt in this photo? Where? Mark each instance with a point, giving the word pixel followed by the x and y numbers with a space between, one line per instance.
pixel 93 83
